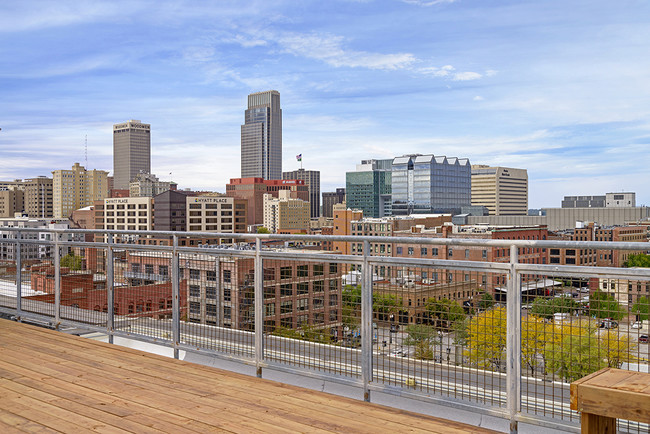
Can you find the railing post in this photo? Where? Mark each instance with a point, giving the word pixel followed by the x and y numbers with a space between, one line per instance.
pixel 19 275
pixel 110 294
pixel 366 321
pixel 259 308
pixel 513 341
pixel 219 291
pixel 57 280
pixel 176 305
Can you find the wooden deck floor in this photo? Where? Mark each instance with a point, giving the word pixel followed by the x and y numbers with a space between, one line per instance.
pixel 51 381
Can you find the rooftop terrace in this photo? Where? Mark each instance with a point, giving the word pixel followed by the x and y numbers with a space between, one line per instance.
pixel 54 381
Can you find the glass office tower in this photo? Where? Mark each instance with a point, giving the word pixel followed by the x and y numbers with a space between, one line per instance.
pixel 428 184
pixel 261 137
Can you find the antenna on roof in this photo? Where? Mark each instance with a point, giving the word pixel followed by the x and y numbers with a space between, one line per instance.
pixel 86 150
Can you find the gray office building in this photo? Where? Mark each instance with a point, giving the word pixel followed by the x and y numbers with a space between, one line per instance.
pixel 131 152
pixel 331 198
pixel 261 137
pixel 312 181
pixel 429 184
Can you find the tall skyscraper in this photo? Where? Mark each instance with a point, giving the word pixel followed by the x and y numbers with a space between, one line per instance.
pixel 261 137
pixel 429 184
pixel 503 190
pixel 312 180
pixel 131 152
pixel 369 188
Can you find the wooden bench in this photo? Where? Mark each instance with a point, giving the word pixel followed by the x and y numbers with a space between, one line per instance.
pixel 608 394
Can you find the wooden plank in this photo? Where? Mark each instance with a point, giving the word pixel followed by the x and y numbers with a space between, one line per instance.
pixel 597 424
pixel 610 378
pixel 573 387
pixel 158 392
pixel 615 403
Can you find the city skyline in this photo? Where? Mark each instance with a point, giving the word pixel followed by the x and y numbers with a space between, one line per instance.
pixel 557 89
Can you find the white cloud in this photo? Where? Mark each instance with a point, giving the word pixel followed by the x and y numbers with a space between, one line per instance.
pixel 246 41
pixel 443 71
pixel 466 76
pixel 329 49
pixel 427 2
pixel 478 98
pixel 490 73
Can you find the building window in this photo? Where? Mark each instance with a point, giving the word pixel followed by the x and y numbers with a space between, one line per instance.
pixel 226 276
pixel 285 273
pixel 450 253
pixel 211 309
pixel 195 307
pixel 211 275
pixel 399 250
pixel 303 270
pixel 410 251
pixel 210 292
pixel 195 291
pixel 423 251
pixel 195 274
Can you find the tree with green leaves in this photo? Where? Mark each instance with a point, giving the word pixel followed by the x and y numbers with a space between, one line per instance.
pixel 641 308
pixel 638 260
pixel 547 307
pixel 486 301
pixel 446 312
pixel 604 305
pixel 71 261
pixel 574 356
pixel 423 338
pixel 263 230
pixel 385 305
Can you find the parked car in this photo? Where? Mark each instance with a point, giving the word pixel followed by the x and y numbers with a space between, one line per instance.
pixel 636 325
pixel 608 324
pixel 643 339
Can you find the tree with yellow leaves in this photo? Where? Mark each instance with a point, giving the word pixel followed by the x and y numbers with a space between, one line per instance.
pixel 618 348
pixel 486 339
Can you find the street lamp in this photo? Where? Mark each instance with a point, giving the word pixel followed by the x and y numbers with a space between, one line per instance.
pixel 392 329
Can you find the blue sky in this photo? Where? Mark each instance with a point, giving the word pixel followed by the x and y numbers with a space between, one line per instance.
pixel 559 88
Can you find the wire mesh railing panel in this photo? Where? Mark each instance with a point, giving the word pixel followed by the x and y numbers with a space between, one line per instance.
pixel 142 290
pixel 38 266
pixel 83 285
pixel 7 274
pixel 438 332
pixel 311 316
pixel 220 303
pixel 577 325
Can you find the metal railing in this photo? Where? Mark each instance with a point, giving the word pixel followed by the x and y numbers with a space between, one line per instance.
pixel 427 327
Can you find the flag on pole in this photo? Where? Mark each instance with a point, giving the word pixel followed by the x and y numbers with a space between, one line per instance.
pixel 299 157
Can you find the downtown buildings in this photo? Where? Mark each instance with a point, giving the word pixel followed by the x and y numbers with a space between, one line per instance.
pixel 312 181
pixel 429 184
pixel 131 152
pixel 261 137
pixel 503 190
pixel 77 188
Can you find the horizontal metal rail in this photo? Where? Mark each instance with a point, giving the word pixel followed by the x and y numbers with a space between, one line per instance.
pixel 372 368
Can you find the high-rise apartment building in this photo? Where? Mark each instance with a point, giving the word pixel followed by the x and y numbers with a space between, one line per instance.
pixel 429 184
pixel 170 212
pixel 369 188
pixel 330 199
pixel 11 203
pixel 261 137
pixel 77 188
pixel 503 190
pixel 284 215
pixel 131 152
pixel 146 184
pixel 312 181
pixel 38 197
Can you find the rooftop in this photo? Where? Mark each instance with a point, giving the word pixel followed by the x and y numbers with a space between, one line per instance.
pixel 52 380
